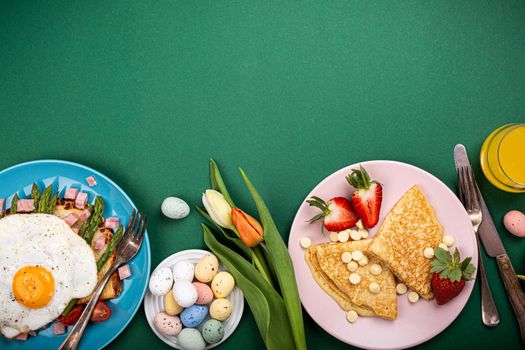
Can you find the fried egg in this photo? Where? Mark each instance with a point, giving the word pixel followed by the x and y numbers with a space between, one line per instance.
pixel 43 265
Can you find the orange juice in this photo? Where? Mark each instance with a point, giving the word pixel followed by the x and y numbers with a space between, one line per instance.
pixel 502 157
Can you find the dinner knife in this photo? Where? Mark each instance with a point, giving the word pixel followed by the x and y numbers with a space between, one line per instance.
pixel 494 248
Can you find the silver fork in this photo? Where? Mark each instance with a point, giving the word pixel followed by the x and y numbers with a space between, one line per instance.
pixel 469 197
pixel 127 248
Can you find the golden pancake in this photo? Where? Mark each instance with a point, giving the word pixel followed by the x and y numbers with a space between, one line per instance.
pixel 409 228
pixel 332 275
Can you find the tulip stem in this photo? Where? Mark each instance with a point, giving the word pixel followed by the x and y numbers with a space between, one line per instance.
pixel 260 264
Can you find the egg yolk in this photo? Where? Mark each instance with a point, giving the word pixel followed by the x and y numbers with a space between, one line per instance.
pixel 33 286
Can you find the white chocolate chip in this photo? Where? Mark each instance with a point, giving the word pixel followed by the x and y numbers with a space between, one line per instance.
pixel 305 242
pixel 346 257
pixel 351 316
pixel 401 288
pixel 376 269
pixel 352 266
pixel 428 253
pixel 334 237
pixel 413 297
pixel 443 246
pixel 364 233
pixel 363 261
pixel 449 241
pixel 359 224
pixel 374 288
pixel 343 236
pixel 354 278
pixel 355 235
pixel 357 255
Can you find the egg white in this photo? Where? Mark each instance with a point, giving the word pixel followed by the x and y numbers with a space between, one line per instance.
pixel 47 241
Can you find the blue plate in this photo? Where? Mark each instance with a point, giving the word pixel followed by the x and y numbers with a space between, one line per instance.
pixel 62 174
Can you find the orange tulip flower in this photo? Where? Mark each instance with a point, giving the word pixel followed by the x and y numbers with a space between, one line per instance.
pixel 250 231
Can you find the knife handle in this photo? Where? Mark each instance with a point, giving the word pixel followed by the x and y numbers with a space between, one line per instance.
pixel 514 291
pixel 489 311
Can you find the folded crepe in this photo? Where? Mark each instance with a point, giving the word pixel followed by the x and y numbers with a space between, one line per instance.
pixel 409 228
pixel 331 273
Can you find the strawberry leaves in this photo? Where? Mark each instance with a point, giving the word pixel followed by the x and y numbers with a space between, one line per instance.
pixel 451 267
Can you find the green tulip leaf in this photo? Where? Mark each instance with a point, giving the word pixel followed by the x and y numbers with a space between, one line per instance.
pixel 218 184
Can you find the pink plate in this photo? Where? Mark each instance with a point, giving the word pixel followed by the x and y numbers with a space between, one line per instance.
pixel 416 323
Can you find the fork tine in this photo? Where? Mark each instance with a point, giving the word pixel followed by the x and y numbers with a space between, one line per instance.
pixel 140 234
pixel 461 185
pixel 473 189
pixel 469 201
pixel 130 222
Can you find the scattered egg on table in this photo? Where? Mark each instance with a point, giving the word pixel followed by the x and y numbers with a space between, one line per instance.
pixel 352 266
pixel 363 233
pixel 374 288
pixel 161 281
pixel 514 222
pixel 352 316
pixel 212 331
pixel 346 257
pixel 175 208
pixel 401 288
pixel 376 269
pixel 170 305
pixel 194 315
pixel 204 293
pixel 449 240
pixel 166 324
pixel 191 339
pixel 343 236
pixel 184 270
pixel 222 284
pixel 413 297
pixel 184 293
pixel 443 246
pixel 220 309
pixel 354 278
pixel 333 237
pixel 357 255
pixel 363 261
pixel 428 253
pixel 305 242
pixel 206 268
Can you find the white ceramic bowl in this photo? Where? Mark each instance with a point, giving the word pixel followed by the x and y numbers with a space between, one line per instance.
pixel 154 304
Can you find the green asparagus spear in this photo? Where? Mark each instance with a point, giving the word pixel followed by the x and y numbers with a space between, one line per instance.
pixel 52 204
pixel 14 203
pixel 44 199
pixel 98 210
pixel 109 249
pixel 69 306
pixel 35 194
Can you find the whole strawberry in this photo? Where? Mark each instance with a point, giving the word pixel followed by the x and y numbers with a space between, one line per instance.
pixel 337 214
pixel 367 196
pixel 449 274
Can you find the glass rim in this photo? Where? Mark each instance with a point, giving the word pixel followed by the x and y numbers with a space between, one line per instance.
pixel 508 130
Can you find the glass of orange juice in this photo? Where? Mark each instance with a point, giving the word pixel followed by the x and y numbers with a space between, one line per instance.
pixel 502 157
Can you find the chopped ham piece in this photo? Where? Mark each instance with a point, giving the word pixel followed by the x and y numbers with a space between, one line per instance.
pixel 124 271
pixel 91 181
pixel 25 205
pixel 71 193
pixel 100 242
pixel 85 215
pixel 1 204
pixel 71 219
pixel 22 337
pixel 112 223
pixel 81 200
pixel 59 328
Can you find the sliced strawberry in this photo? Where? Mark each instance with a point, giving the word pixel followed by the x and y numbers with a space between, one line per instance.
pixel 337 214
pixel 367 196
pixel 449 274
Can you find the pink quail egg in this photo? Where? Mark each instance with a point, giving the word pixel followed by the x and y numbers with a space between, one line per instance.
pixel 167 325
pixel 204 293
pixel 514 221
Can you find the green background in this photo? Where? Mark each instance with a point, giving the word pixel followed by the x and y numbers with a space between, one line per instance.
pixel 146 92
